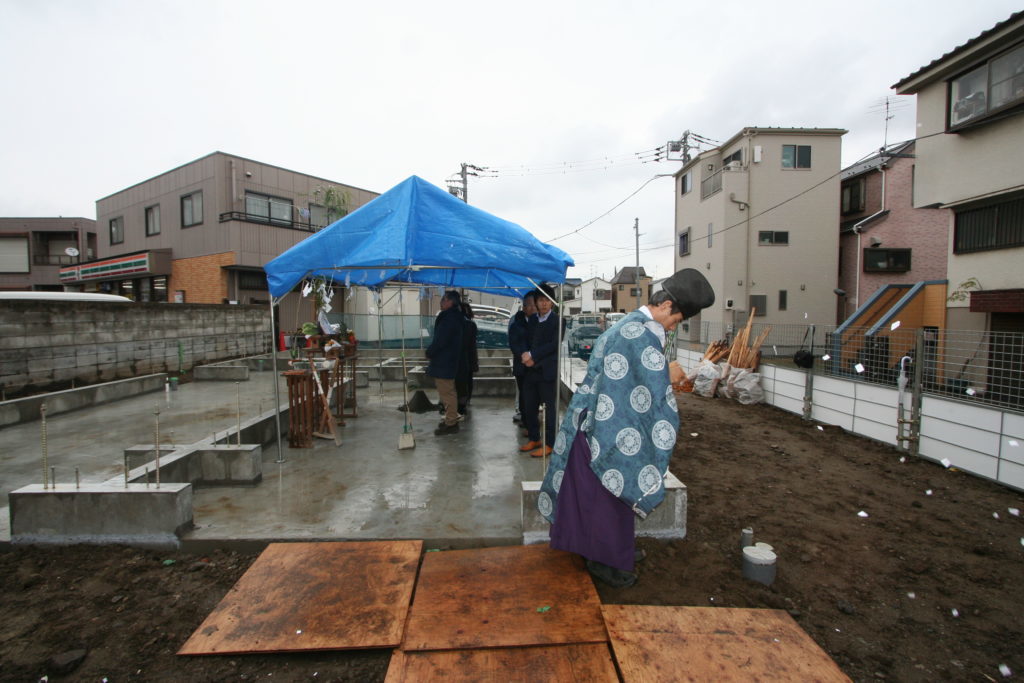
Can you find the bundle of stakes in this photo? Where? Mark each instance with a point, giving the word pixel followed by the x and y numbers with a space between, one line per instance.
pixel 716 351
pixel 743 353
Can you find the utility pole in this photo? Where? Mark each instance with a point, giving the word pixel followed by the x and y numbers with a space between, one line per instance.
pixel 636 273
pixel 459 187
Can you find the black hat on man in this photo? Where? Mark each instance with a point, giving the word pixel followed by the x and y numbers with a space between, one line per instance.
pixel 690 290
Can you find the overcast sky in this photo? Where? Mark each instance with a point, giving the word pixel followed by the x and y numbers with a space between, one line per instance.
pixel 100 95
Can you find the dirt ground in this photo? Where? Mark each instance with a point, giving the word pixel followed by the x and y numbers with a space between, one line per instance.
pixel 926 587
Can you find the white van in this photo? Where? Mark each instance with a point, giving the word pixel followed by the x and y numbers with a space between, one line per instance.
pixel 612 318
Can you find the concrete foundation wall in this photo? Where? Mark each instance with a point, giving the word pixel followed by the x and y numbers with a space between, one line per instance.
pixel 101 514
pixel 45 343
pixel 27 409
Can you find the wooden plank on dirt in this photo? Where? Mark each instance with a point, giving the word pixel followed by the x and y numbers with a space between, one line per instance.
pixel 314 596
pixel 585 662
pixel 508 596
pixel 714 644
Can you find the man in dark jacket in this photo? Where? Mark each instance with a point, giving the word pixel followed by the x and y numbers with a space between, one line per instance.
pixel 519 343
pixel 541 380
pixel 444 353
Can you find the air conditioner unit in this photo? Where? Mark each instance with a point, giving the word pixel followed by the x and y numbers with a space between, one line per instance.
pixel 728 304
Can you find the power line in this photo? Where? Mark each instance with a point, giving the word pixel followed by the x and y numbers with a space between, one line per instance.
pixel 729 227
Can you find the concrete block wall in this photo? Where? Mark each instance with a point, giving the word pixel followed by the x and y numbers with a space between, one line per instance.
pixel 47 343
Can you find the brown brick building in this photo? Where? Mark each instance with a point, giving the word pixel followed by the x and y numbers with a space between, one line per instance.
pixel 201 233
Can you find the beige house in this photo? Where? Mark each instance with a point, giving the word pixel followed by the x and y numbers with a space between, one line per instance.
pixel 201 233
pixel 969 159
pixel 630 286
pixel 757 217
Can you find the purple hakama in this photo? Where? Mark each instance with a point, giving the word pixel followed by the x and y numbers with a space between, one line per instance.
pixel 589 520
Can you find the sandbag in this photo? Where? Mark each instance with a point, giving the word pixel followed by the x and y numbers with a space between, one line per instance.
pixel 747 387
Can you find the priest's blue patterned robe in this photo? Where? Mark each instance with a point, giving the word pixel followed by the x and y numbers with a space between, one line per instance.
pixel 631 419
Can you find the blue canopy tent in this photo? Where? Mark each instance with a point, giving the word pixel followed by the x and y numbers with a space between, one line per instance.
pixel 417 234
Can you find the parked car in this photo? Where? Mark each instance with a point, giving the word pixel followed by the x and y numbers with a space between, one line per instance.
pixel 581 341
pixel 612 318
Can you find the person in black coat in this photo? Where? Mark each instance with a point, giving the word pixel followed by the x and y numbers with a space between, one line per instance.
pixel 444 353
pixel 541 380
pixel 469 361
pixel 519 343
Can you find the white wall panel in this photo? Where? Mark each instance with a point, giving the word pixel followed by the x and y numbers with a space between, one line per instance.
pixel 1011 474
pixel 875 394
pixel 874 430
pixel 956 411
pixel 962 435
pixel 789 390
pixel 1009 452
pixel 832 401
pixel 960 457
pixel 834 386
pixel 872 411
pixel 832 417
pixel 1013 426
pixel 789 404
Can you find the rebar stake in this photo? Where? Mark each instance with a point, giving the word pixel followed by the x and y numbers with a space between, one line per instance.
pixel 156 412
pixel 126 469
pixel 543 438
pixel 238 413
pixel 42 427
pixel 78 480
pixel 53 478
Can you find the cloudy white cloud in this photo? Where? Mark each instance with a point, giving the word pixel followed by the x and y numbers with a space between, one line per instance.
pixel 103 94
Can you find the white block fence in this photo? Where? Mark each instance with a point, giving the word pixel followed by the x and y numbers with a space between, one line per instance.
pixel 982 440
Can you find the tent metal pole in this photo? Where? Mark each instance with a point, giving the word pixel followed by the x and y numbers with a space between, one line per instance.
pixel 277 385
pixel 561 360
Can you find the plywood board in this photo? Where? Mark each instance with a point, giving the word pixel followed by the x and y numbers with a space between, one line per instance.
pixel 503 597
pixel 586 663
pixel 714 644
pixel 314 596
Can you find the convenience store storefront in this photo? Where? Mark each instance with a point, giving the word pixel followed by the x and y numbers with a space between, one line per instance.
pixel 142 276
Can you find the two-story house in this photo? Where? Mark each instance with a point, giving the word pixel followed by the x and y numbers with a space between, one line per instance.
pixel 969 159
pixel 32 250
pixel 757 217
pixel 201 233
pixel 883 240
pixel 593 295
pixel 631 288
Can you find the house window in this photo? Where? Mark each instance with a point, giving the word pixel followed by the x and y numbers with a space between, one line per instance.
pixel 886 260
pixel 853 196
pixel 997 226
pixel 117 230
pixel 152 220
pixel 261 207
pixel 736 156
pixel 758 302
pixel 772 237
pixel 684 242
pixel 192 209
pixel 634 291
pixel 796 156
pixel 622 288
pixel 782 299
pixel 711 230
pixel 685 183
pixel 995 85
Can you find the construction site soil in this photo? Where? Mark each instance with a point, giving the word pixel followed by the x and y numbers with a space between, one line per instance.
pixel 900 569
